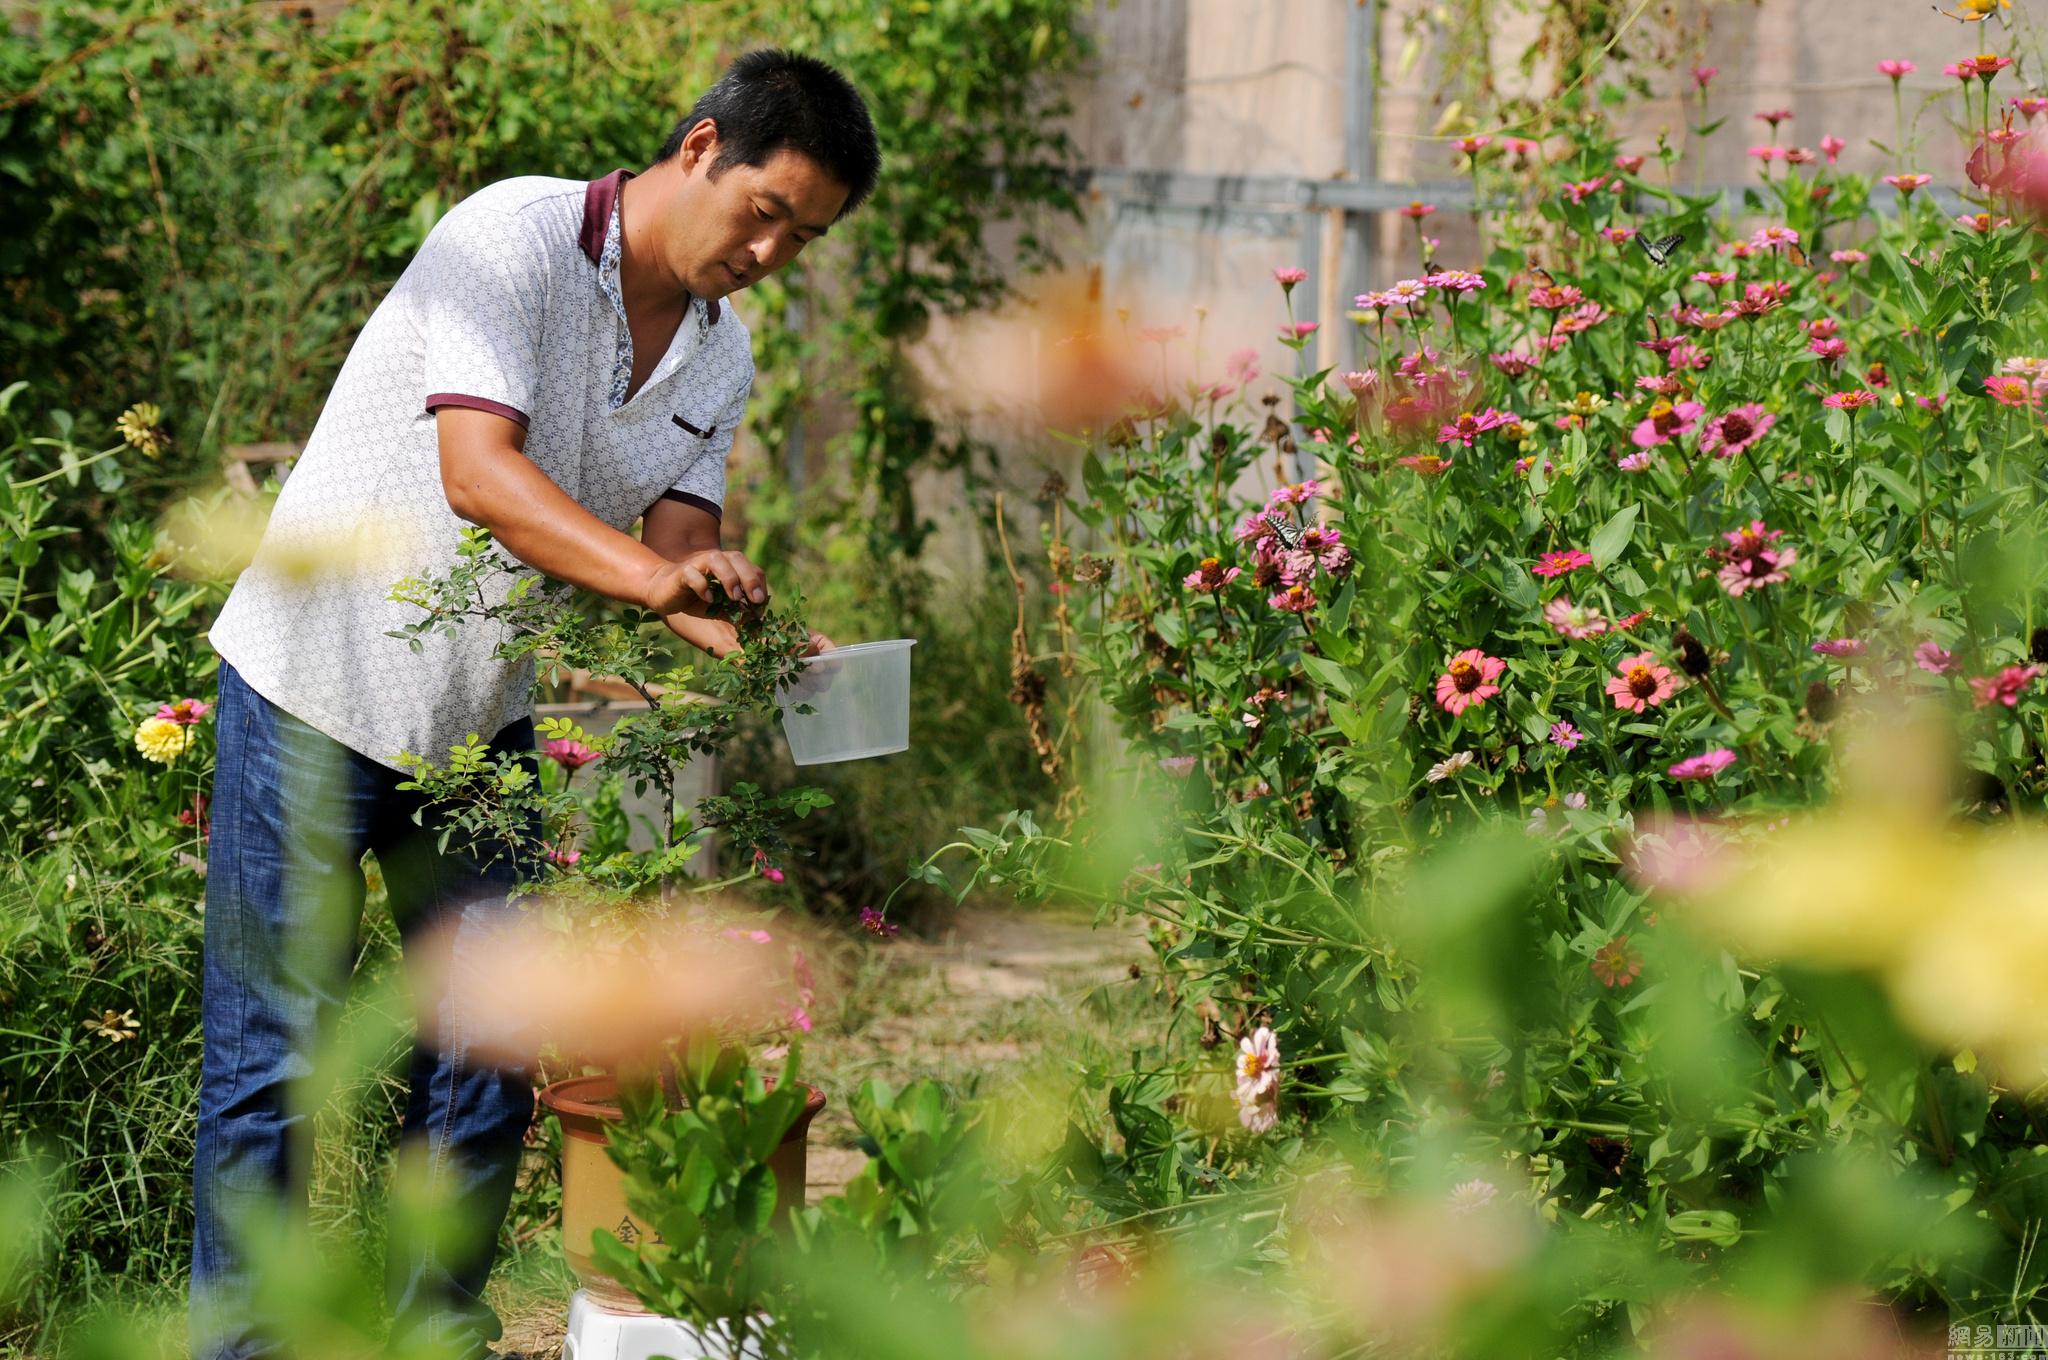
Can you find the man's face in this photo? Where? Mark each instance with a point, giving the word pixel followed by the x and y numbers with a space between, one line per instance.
pixel 749 222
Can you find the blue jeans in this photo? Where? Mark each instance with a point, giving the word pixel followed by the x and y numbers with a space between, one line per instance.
pixel 292 813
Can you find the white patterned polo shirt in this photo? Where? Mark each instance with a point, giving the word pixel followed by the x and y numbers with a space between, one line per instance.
pixel 511 306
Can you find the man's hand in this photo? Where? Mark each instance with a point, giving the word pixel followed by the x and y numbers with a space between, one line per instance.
pixel 684 585
pixel 721 639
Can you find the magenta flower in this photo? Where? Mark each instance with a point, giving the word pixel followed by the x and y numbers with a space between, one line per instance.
pixel 1728 435
pixel 568 753
pixel 1841 647
pixel 1513 365
pixel 1702 74
pixel 2002 688
pixel 1565 735
pixel 563 858
pixel 1831 349
pixel 1773 238
pixel 1417 210
pixel 1705 765
pixel 1849 256
pixel 184 712
pixel 1638 461
pixel 1468 680
pixel 1575 621
pixel 1849 401
pixel 1298 330
pixel 1773 117
pixel 1294 493
pixel 1287 276
pixel 1906 184
pixel 1752 558
pixel 1933 658
pixel 1640 683
pixel 1767 154
pixel 1628 165
pixel 1897 70
pixel 1469 426
pixel 1832 146
pixel 1555 564
pixel 1457 280
pixel 874 924
pixel 1295 599
pixel 1666 420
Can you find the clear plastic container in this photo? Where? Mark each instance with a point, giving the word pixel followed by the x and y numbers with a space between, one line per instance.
pixel 861 701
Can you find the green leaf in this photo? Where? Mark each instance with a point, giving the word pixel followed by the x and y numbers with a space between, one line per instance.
pixel 1613 537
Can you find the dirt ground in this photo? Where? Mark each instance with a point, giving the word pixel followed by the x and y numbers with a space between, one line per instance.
pixel 975 1007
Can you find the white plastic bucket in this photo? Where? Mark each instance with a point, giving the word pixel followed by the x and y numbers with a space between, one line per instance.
pixel 860 697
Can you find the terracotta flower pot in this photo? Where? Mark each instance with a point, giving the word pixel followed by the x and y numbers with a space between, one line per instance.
pixel 594 1188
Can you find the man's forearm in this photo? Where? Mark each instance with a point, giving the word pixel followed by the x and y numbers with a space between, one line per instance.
pixel 543 526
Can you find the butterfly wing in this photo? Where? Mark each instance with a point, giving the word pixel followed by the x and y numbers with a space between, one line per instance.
pixel 1285 528
pixel 1661 249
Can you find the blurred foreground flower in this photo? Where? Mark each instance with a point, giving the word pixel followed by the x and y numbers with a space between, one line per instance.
pixel 605 993
pixel 1950 916
pixel 214 538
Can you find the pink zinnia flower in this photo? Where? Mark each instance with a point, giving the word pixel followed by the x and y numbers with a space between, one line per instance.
pixel 1705 765
pixel 1773 238
pixel 1258 1064
pixel 1180 767
pixel 1470 426
pixel 1211 575
pixel 2030 106
pixel 1906 184
pixel 1636 462
pixel 1848 256
pixel 874 924
pixel 1578 191
pixel 1666 421
pixel 1715 278
pixel 1640 683
pixel 1841 647
pixel 562 858
pixel 1628 165
pixel 1767 154
pixel 1773 117
pixel 1849 401
pixel 1295 599
pixel 1981 223
pixel 1242 365
pixel 568 753
pixel 1427 464
pixel 1575 621
pixel 184 712
pixel 1472 146
pixel 1513 365
pixel 1416 210
pixel 1617 236
pixel 1751 559
pixel 1615 964
pixel 1298 330
pixel 1728 435
pixel 1468 680
pixel 2002 688
pixel 1702 74
pixel 1933 658
pixel 1829 348
pixel 1294 493
pixel 1799 155
pixel 1565 735
pixel 1288 276
pixel 1897 70
pixel 1558 563
pixel 1831 146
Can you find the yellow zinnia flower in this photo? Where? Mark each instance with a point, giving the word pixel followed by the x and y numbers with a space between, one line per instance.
pixel 162 740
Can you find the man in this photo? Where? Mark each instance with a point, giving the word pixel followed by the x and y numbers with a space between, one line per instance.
pixel 557 362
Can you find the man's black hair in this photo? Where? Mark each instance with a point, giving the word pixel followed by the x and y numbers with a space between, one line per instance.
pixel 771 100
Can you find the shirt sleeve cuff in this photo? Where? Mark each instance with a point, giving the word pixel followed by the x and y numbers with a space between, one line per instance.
pixel 711 508
pixel 496 408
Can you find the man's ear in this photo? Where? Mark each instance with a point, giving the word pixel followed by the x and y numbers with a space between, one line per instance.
pixel 700 143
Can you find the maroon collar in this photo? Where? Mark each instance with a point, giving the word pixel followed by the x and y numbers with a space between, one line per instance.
pixel 600 196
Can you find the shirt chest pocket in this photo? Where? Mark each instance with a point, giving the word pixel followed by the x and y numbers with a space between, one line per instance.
pixel 698 423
